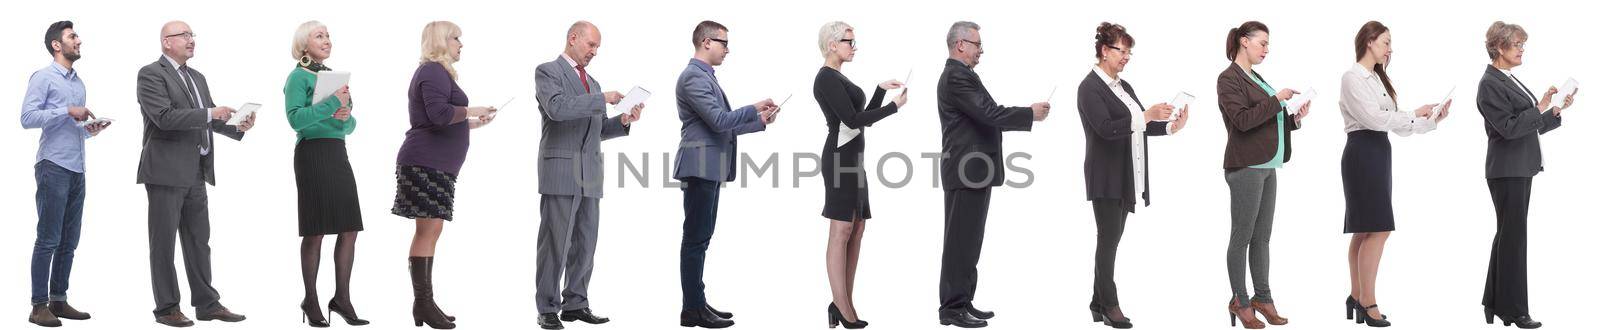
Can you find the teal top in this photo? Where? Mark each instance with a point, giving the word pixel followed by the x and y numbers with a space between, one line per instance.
pixel 1277 158
pixel 312 121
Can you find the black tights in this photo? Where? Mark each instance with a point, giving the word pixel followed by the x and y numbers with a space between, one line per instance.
pixel 344 254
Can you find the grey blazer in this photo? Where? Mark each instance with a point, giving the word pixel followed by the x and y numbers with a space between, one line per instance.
pixel 176 126
pixel 1513 123
pixel 709 147
pixel 574 123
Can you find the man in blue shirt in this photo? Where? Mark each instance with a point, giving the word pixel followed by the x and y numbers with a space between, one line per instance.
pixel 55 105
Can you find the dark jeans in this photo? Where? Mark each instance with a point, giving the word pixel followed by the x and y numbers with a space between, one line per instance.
pixel 1506 290
pixel 699 221
pixel 60 205
pixel 966 211
pixel 1110 218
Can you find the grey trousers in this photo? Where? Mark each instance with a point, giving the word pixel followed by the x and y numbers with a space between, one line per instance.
pixel 1254 194
pixel 568 227
pixel 180 215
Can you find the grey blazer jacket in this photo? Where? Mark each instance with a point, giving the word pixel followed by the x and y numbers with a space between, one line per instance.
pixel 709 147
pixel 573 124
pixel 176 127
pixel 1513 123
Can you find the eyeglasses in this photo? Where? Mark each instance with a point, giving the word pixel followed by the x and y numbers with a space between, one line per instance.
pixel 974 43
pixel 851 42
pixel 723 41
pixel 1519 45
pixel 185 35
pixel 1120 50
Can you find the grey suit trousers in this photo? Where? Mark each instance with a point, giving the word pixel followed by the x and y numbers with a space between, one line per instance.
pixel 179 215
pixel 568 227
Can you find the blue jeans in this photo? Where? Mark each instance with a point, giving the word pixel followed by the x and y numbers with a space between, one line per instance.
pixel 60 205
pixel 699 221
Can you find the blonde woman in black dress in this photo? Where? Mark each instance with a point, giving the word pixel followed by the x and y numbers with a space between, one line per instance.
pixel 848 113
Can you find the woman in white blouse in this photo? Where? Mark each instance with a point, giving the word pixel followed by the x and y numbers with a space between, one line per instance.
pixel 1367 100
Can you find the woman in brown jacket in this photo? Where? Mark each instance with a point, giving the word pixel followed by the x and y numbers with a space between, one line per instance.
pixel 1258 126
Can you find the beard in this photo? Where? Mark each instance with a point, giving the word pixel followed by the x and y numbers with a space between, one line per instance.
pixel 72 56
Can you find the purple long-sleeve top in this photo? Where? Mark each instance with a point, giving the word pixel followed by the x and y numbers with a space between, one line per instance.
pixel 438 137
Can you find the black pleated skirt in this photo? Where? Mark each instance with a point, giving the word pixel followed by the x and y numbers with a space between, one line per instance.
pixel 327 188
pixel 1367 169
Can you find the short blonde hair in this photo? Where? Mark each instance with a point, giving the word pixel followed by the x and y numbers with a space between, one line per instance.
pixel 1503 35
pixel 436 38
pixel 302 38
pixel 831 33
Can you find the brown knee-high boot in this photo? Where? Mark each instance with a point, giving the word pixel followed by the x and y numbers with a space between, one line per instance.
pixel 423 309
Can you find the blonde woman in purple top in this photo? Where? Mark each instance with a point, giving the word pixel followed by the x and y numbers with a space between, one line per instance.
pixel 431 157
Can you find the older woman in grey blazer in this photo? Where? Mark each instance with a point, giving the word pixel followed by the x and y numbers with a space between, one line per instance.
pixel 1513 119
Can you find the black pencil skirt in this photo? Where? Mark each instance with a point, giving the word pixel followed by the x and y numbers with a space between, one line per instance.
pixel 327 188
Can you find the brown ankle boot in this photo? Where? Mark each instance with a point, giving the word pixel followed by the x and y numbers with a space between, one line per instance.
pixel 42 317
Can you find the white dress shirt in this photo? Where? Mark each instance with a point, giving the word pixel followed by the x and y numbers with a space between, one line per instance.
pixel 1367 105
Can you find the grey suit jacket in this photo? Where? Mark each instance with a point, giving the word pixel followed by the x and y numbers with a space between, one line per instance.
pixel 709 144
pixel 1513 123
pixel 574 123
pixel 176 127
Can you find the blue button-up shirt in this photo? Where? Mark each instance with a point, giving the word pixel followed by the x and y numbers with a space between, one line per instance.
pixel 51 91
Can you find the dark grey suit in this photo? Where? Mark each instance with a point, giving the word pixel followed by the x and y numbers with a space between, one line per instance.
pixel 570 182
pixel 175 166
pixel 1513 122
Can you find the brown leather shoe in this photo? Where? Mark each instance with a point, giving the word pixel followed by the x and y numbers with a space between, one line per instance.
pixel 42 317
pixel 174 319
pixel 1239 312
pixel 1269 312
pixel 221 314
pixel 62 310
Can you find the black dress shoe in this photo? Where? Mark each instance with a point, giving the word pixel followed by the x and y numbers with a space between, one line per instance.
pixel 702 317
pixel 221 314
pixel 583 314
pixel 960 318
pixel 981 315
pixel 720 314
pixel 549 321
pixel 174 319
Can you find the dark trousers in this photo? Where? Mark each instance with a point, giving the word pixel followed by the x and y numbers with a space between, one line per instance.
pixel 1506 290
pixel 699 221
pixel 966 211
pixel 180 216
pixel 1110 217
pixel 60 205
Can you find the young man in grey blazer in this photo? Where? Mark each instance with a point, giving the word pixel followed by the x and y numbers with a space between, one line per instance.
pixel 174 167
pixel 706 157
pixel 570 176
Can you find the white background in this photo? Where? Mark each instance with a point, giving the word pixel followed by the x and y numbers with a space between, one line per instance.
pixel 766 262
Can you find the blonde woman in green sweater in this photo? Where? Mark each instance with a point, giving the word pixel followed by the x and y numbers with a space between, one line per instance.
pixel 327 187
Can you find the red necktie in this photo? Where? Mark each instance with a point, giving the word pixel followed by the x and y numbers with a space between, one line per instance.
pixel 584 77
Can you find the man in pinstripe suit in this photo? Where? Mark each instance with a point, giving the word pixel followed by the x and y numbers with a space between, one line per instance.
pixel 570 176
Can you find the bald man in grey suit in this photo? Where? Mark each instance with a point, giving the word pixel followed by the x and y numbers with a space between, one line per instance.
pixel 570 176
pixel 174 167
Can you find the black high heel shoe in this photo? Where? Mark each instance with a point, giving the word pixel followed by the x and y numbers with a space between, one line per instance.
pixel 1365 317
pixel 307 310
pixel 1351 305
pixel 345 312
pixel 835 318
pixel 1098 314
pixel 1523 322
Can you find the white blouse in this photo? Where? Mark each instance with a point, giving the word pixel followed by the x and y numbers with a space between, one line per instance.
pixel 1366 105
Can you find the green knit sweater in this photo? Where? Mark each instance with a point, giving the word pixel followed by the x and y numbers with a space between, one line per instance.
pixel 312 121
